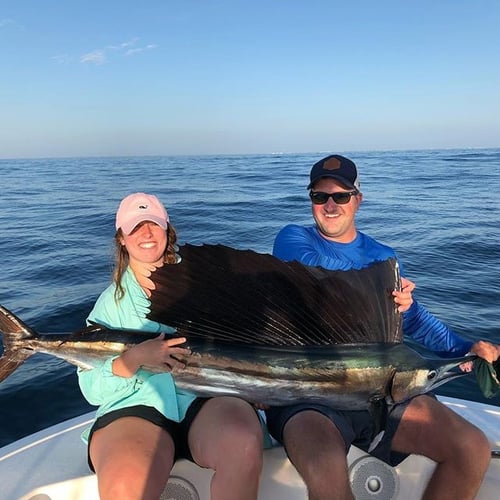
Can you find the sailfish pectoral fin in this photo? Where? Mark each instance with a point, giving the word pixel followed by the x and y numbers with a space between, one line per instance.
pixel 379 409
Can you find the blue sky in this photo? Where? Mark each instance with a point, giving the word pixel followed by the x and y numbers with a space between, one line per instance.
pixel 91 78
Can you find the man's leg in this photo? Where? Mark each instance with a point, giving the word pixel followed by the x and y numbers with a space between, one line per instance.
pixel 461 450
pixel 317 450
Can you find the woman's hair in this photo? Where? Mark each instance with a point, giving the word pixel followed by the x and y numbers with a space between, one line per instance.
pixel 122 257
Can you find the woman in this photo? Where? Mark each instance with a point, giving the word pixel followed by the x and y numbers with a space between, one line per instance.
pixel 144 423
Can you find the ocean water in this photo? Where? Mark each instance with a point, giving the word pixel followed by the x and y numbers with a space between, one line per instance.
pixel 439 209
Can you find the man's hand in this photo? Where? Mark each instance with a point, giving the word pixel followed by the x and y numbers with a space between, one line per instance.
pixel 403 297
pixel 486 350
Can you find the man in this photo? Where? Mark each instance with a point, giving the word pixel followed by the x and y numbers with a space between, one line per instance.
pixel 317 438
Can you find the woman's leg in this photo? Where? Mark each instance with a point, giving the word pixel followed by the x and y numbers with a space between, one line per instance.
pixel 226 436
pixel 132 458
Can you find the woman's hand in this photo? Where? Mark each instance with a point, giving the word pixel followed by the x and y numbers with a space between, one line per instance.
pixel 403 297
pixel 156 355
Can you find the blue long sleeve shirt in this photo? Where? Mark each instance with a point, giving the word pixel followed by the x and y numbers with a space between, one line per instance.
pixel 306 245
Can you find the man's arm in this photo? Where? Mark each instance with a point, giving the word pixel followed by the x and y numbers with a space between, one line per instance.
pixel 426 329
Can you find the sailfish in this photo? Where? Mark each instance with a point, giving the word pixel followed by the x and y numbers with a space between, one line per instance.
pixel 279 332
pixel 268 331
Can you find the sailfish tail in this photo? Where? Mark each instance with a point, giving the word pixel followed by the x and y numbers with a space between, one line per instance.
pixel 14 332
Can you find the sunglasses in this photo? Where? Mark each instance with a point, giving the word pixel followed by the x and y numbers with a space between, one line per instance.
pixel 341 198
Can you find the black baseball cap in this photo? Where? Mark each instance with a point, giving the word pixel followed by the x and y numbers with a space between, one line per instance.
pixel 338 167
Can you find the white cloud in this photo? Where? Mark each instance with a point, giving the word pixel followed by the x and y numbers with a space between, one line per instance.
pixel 131 52
pixel 124 45
pixel 100 56
pixel 95 57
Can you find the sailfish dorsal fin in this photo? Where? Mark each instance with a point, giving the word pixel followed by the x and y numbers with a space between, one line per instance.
pixel 241 296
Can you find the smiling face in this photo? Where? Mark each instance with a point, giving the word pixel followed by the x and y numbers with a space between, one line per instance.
pixel 335 222
pixel 146 244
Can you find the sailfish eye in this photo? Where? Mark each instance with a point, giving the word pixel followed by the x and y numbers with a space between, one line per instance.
pixel 432 375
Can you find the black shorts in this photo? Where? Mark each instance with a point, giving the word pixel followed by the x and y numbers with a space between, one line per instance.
pixel 178 431
pixel 356 427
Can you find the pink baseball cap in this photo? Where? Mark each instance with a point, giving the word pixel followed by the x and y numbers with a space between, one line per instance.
pixel 138 207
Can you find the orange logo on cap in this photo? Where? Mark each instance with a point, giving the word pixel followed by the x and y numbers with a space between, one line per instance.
pixel 331 164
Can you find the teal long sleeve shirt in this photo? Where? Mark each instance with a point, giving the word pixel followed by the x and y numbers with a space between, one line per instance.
pixel 111 392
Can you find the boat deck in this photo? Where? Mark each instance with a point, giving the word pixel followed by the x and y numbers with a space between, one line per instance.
pixel 51 464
